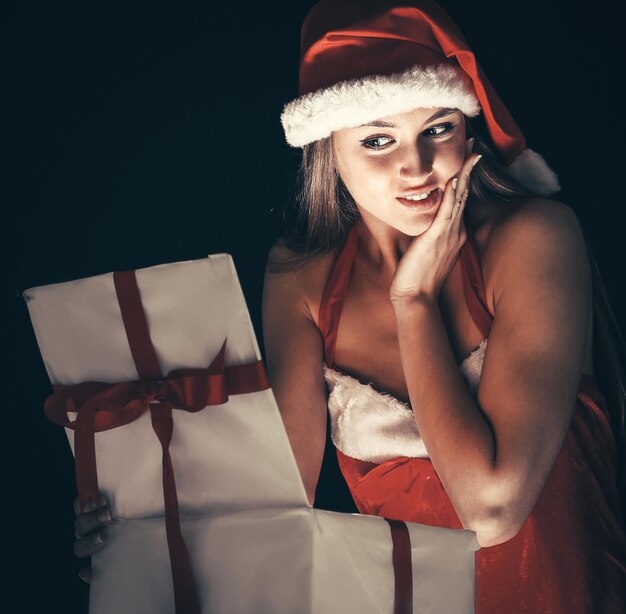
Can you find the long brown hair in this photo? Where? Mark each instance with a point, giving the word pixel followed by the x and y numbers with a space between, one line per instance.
pixel 325 211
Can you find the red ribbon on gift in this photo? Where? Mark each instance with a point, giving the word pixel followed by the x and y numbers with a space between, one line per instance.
pixel 102 406
pixel 402 567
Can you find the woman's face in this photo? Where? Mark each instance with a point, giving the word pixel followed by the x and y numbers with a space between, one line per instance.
pixel 396 168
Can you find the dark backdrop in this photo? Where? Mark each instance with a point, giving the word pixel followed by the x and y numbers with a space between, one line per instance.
pixel 139 134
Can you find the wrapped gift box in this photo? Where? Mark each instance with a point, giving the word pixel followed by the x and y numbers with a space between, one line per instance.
pixel 236 455
pixel 299 560
pixel 253 542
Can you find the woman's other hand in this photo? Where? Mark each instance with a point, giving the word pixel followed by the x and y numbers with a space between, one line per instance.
pixel 89 530
pixel 432 254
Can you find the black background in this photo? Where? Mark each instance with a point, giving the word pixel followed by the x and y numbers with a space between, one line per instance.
pixel 139 134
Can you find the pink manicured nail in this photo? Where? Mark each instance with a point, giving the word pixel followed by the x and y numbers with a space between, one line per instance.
pixel 454 182
pixel 476 160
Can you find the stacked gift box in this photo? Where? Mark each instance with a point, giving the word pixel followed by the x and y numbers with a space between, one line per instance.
pixel 159 383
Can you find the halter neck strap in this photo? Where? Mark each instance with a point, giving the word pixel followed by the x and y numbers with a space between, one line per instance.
pixel 338 284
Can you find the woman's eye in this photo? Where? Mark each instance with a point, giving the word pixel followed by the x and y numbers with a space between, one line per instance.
pixel 439 130
pixel 377 142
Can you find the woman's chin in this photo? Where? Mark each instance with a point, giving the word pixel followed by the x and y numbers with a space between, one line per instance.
pixel 415 228
pixel 410 225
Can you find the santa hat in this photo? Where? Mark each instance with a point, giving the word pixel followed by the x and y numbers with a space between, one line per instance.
pixel 365 59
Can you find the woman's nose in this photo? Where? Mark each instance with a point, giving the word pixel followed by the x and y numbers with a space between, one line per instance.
pixel 416 162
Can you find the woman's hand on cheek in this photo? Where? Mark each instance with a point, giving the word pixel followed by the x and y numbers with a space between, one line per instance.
pixel 432 254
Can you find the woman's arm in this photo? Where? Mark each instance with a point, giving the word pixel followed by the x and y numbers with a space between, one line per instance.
pixel 294 355
pixel 494 455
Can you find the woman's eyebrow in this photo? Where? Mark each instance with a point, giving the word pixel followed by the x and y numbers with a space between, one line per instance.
pixel 440 113
pixel 381 124
pixel 378 124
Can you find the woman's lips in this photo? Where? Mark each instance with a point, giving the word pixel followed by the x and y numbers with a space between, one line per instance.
pixel 433 199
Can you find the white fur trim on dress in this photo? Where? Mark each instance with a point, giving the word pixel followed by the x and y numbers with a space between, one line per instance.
pixel 368 425
pixel 532 171
pixel 351 103
pixel 371 426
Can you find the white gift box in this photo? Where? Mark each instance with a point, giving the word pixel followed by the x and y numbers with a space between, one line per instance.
pixel 254 543
pixel 236 455
pixel 297 561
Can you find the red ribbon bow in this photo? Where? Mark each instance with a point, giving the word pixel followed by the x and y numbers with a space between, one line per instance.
pixel 102 406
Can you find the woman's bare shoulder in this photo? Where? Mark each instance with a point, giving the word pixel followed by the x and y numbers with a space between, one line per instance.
pixel 298 276
pixel 539 214
pixel 536 221
pixel 535 230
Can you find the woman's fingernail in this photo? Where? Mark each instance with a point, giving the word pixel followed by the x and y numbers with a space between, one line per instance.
pixel 454 183
pixel 90 507
pixel 476 160
pixel 105 516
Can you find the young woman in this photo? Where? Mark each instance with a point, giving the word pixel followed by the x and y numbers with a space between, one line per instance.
pixel 442 311
pixel 441 308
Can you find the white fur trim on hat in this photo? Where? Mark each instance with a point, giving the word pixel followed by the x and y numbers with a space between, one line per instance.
pixel 532 171
pixel 351 103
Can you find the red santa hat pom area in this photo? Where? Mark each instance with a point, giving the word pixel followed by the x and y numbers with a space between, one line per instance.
pixel 365 59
